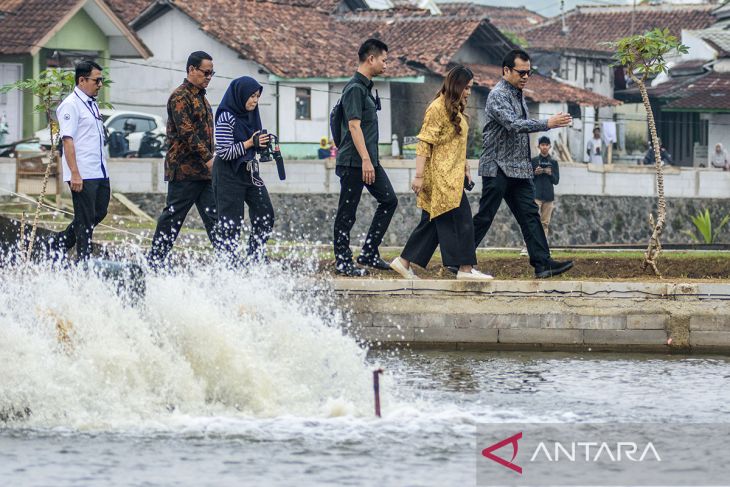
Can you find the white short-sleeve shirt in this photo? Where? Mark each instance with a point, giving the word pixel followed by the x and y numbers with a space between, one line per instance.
pixel 79 118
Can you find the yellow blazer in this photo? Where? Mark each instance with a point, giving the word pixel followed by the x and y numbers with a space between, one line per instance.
pixel 445 152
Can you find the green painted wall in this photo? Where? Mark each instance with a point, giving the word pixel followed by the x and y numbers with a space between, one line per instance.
pixel 79 33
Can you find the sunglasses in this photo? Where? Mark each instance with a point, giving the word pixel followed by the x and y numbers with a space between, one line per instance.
pixel 98 81
pixel 524 73
pixel 207 73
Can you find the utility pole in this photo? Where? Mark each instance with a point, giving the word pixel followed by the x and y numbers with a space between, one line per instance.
pixel 562 16
pixel 633 19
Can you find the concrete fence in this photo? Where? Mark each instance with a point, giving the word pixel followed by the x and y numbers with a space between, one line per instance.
pixel 318 177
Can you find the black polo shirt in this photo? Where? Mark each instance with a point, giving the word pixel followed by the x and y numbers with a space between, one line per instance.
pixel 358 103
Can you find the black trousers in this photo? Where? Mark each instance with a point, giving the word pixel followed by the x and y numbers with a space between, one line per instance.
pixel 351 186
pixel 90 207
pixel 453 231
pixel 181 196
pixel 233 191
pixel 520 197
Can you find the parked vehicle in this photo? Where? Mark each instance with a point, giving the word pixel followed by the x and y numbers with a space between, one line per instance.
pixel 134 124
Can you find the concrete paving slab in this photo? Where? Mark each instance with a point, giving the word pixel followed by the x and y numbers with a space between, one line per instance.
pixel 450 335
pixel 709 323
pixel 720 339
pixel 646 290
pixel 647 322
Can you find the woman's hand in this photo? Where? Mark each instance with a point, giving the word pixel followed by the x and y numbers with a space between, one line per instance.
pixel 263 140
pixel 417 184
pixel 467 173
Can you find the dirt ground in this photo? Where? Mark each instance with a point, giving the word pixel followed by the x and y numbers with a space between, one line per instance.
pixel 588 266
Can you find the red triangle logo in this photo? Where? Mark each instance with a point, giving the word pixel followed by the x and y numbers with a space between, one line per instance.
pixel 487 452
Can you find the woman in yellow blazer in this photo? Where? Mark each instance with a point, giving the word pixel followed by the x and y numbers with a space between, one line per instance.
pixel 441 169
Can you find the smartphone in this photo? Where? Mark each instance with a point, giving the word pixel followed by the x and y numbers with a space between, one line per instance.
pixel 468 185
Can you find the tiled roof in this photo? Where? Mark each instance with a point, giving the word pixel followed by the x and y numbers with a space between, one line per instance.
pixel 541 89
pixel 27 22
pixel 423 40
pixel 507 19
pixel 128 10
pixel 709 92
pixel 719 39
pixel 590 27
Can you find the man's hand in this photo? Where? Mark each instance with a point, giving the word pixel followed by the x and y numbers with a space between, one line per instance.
pixel 548 171
pixel 559 120
pixel 538 171
pixel 368 172
pixel 77 184
pixel 209 164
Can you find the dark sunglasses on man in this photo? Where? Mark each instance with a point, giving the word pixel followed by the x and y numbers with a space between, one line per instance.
pixel 98 81
pixel 524 73
pixel 207 73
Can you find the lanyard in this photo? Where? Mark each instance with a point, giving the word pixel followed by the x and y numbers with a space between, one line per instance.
pixel 96 115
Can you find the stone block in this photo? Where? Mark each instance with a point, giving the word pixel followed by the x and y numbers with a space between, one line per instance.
pixel 647 322
pixel 624 337
pixel 383 334
pixel 709 323
pixel 454 335
pixel 646 290
pixel 683 290
pixel 412 320
pixel 710 339
pixel 599 322
pixel 540 336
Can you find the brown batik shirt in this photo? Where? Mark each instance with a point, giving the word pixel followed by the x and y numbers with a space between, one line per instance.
pixel 190 134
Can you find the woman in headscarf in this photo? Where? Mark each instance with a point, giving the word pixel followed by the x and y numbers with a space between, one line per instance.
pixel 441 172
pixel 236 178
pixel 719 158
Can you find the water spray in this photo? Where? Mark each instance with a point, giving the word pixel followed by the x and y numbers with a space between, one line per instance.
pixel 376 390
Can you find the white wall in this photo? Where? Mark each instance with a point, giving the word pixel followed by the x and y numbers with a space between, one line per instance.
pixel 591 74
pixel 146 85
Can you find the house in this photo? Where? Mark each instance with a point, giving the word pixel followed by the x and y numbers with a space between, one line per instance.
pixel 303 52
pixel 38 34
pixel 692 102
pixel 575 48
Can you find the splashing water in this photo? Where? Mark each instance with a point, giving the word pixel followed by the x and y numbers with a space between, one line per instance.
pixel 208 341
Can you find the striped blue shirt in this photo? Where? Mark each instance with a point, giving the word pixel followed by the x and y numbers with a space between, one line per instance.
pixel 226 147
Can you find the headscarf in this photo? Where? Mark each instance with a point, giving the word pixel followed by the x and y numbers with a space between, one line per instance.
pixel 234 102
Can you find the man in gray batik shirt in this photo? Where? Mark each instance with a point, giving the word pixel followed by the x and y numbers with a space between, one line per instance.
pixel 505 164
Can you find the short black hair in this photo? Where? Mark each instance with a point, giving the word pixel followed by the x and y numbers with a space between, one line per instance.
pixel 508 61
pixel 196 59
pixel 371 47
pixel 84 69
pixel 596 128
pixel 543 140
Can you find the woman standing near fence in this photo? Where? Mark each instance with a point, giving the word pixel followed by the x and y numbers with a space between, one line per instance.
pixel 441 171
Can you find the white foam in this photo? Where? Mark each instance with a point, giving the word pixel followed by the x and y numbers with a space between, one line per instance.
pixel 208 343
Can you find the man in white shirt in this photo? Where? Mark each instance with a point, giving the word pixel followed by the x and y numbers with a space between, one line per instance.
pixel 84 165
pixel 594 149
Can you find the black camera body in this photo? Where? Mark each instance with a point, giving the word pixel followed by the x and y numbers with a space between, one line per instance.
pixel 270 151
pixel 545 163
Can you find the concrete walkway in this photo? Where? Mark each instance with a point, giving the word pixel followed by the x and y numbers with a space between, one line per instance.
pixel 543 315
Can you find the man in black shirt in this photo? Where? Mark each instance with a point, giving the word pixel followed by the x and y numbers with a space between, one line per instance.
pixel 358 165
pixel 547 175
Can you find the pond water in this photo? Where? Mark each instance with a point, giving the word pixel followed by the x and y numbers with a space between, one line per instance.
pixel 223 378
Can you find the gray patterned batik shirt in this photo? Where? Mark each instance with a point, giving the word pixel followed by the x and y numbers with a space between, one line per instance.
pixel 505 141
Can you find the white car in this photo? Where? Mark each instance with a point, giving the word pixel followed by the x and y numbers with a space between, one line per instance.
pixel 115 120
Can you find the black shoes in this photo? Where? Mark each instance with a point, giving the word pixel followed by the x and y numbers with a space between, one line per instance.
pixel 350 270
pixel 552 268
pixel 452 269
pixel 375 263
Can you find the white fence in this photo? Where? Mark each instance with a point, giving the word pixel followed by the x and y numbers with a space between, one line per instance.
pixel 317 176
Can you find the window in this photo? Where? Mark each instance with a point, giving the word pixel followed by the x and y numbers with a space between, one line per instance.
pixel 304 103
pixel 141 124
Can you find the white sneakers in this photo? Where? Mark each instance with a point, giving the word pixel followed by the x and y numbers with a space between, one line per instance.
pixel 523 252
pixel 407 273
pixel 398 267
pixel 473 275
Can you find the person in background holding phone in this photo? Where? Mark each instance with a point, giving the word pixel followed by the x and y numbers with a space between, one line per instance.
pixel 441 174
pixel 547 175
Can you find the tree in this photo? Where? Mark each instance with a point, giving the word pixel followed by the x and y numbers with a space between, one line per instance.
pixel 643 56
pixel 51 86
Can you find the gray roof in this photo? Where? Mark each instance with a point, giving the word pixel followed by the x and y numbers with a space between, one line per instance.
pixel 719 37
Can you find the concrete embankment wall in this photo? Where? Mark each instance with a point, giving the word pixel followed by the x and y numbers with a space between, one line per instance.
pixel 539 315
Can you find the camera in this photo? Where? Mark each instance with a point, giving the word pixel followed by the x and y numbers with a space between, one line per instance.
pixel 270 151
pixel 545 164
